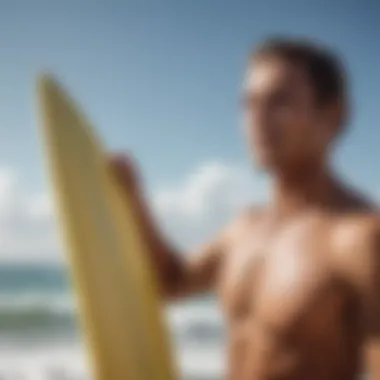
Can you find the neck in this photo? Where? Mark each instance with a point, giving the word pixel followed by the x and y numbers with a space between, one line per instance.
pixel 311 186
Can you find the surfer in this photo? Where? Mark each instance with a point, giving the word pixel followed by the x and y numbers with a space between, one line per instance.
pixel 298 279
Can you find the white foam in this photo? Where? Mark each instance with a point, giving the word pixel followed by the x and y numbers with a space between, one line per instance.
pixel 201 362
pixel 70 363
pixel 184 314
pixel 45 363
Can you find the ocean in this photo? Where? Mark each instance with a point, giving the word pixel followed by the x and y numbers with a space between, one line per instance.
pixel 40 338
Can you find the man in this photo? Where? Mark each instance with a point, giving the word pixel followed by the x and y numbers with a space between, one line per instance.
pixel 299 278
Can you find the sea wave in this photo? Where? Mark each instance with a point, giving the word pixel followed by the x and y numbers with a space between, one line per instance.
pixel 55 315
pixel 57 302
pixel 37 314
pixel 20 279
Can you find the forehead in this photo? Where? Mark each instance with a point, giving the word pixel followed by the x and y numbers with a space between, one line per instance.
pixel 271 74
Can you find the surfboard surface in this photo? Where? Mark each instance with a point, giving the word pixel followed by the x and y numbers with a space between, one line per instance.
pixel 119 307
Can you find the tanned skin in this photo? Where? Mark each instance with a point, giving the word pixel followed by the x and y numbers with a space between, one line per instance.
pixel 298 279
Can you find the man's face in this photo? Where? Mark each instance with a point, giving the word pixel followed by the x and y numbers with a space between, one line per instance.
pixel 283 125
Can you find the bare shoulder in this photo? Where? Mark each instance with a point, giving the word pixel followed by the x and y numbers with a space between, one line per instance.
pixel 356 244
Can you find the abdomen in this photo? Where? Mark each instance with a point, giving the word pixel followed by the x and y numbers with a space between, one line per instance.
pixel 256 353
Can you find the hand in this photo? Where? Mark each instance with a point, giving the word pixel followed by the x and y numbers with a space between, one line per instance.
pixel 126 171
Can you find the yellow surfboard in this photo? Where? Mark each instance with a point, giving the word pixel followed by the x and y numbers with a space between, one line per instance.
pixel 119 305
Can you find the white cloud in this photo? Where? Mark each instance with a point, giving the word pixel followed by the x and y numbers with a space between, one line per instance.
pixel 200 204
pixel 27 231
pixel 189 211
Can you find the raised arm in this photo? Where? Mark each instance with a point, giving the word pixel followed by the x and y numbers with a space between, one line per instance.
pixel 179 274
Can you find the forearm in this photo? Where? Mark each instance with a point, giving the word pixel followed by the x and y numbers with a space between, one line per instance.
pixel 178 276
pixel 166 261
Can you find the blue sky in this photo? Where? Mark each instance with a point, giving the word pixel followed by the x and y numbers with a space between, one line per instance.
pixel 162 78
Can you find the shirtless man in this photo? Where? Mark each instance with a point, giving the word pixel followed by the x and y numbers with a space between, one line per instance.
pixel 298 279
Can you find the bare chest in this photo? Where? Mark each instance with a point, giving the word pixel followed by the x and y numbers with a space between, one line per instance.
pixel 281 279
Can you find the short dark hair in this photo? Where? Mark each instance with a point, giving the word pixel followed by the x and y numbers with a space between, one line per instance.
pixel 324 68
